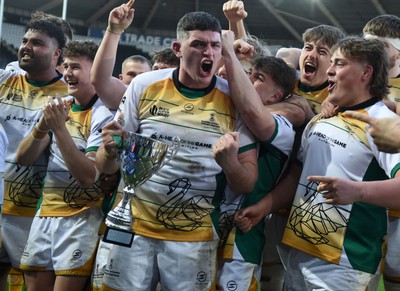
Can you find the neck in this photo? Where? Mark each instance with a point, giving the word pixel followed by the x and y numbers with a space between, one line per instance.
pixel 46 76
pixel 83 98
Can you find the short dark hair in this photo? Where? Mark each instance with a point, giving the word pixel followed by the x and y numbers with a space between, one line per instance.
pixel 49 28
pixel 77 48
pixel 196 21
pixel 64 25
pixel 279 71
pixel 328 35
pixel 166 56
pixel 372 52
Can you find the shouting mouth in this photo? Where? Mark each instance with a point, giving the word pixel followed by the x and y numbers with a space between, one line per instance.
pixel 206 66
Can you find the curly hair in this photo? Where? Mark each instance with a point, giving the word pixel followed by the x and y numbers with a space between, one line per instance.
pixel 77 48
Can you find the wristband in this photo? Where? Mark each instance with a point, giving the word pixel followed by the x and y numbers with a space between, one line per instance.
pixel 111 31
pixel 37 133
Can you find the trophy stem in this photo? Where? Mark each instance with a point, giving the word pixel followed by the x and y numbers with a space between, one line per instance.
pixel 121 217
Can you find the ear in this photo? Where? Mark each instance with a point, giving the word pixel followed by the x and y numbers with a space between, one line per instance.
pixel 277 97
pixel 368 70
pixel 57 54
pixel 176 47
pixel 120 77
pixel 397 54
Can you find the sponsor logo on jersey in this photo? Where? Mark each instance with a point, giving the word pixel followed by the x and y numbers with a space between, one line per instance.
pixel 211 123
pixel 188 108
pixel 159 111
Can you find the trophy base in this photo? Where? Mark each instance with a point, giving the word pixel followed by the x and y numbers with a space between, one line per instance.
pixel 118 236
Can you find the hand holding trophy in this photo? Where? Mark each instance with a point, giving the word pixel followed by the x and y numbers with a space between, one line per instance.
pixel 141 157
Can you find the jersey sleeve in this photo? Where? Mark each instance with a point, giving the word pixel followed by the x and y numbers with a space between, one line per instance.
pixel 100 117
pixel 246 138
pixel 129 107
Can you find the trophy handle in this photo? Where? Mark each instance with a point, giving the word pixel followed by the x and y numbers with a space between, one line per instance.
pixel 172 150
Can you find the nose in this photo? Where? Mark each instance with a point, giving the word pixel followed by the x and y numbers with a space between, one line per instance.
pixel 330 71
pixel 208 50
pixel 25 45
pixel 67 71
pixel 312 54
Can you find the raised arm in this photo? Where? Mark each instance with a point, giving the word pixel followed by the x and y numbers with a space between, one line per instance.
pixel 235 13
pixel 245 97
pixel 110 89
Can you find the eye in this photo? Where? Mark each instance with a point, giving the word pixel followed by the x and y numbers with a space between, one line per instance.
pixel 259 77
pixel 216 45
pixel 198 44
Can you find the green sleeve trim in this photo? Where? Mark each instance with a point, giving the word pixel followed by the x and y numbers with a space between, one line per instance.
pixel 394 171
pixel 275 132
pixel 247 148
pixel 92 149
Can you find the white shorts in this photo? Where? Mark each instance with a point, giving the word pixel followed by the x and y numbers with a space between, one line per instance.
pixel 305 272
pixel 176 265
pixel 238 275
pixel 66 245
pixel 391 268
pixel 99 267
pixel 14 233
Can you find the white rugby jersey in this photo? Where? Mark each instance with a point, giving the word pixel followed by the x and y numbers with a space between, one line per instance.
pixel 349 235
pixel 21 102
pixel 176 203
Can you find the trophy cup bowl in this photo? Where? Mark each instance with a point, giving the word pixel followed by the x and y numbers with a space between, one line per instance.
pixel 140 157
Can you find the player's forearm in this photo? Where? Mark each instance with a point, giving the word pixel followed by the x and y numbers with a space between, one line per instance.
pixel 238 28
pixel 30 148
pixel 282 195
pixel 243 179
pixel 80 166
pixel 246 99
pixel 381 193
pixel 105 163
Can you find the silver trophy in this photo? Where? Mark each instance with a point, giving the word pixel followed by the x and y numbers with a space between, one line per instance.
pixel 141 157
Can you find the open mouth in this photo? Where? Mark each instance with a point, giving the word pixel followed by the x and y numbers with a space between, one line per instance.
pixel 72 83
pixel 206 66
pixel 309 68
pixel 331 85
pixel 26 56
